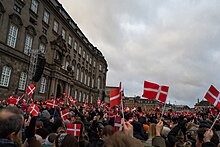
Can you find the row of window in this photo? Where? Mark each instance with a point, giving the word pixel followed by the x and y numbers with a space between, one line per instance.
pixel 5 79
pixel 83 97
pixel 12 38
pixel 46 16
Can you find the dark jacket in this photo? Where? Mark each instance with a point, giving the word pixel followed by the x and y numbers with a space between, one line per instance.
pixel 7 143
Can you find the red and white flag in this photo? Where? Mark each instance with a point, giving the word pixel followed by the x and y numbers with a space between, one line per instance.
pixel 118 123
pixel 65 114
pixel 12 100
pixel 116 96
pixel 19 98
pixel 213 96
pixel 51 104
pixel 99 102
pixel 73 129
pixel 33 109
pixel 30 89
pixel 155 91
pixel 72 100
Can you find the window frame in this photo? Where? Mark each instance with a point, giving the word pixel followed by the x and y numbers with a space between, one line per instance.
pixel 43 84
pixel 12 36
pixel 22 81
pixel 35 6
pixel 46 19
pixel 5 77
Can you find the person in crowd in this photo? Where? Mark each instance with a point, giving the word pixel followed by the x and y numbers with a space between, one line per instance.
pixel 66 140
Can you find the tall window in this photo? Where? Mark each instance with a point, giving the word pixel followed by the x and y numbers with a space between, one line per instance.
pixel 81 79
pixel 80 50
pixel 22 81
pixel 99 83
pixel 63 34
pixel 5 78
pixel 12 35
pixel 84 96
pixel 28 44
pixel 34 6
pixel 80 96
pixel 85 79
pixel 77 74
pixel 75 96
pixel 42 85
pixel 55 26
pixel 75 45
pixel 87 57
pixel 70 40
pixel 67 64
pixel 100 67
pixel 46 17
pixel 91 99
pixel 42 48
pixel 84 54
pixel 88 80
pixel 90 60
pixel 93 81
pixel 94 64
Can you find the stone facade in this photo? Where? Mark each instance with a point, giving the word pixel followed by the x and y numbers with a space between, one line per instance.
pixel 73 64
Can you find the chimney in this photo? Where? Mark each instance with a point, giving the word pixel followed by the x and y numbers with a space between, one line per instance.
pixel 198 100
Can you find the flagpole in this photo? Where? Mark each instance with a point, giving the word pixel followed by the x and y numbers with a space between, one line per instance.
pixel 215 121
pixel 163 110
pixel 122 107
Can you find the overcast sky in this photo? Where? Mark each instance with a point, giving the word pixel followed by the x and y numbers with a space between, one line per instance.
pixel 170 42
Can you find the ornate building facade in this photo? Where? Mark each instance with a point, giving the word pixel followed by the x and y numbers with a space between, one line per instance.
pixel 73 65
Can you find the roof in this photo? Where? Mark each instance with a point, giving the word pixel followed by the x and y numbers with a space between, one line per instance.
pixel 203 103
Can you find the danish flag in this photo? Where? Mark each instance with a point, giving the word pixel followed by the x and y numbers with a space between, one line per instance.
pixel 33 109
pixel 12 100
pixel 73 129
pixel 19 98
pixel 99 102
pixel 30 89
pixel 51 104
pixel 65 114
pixel 213 96
pixel 72 100
pixel 115 96
pixel 155 91
pixel 118 123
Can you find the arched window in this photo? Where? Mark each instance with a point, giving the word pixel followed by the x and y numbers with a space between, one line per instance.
pixel 88 80
pixel 85 79
pixel 42 44
pixel 42 85
pixel 93 82
pixel 22 81
pixel 5 77
pixel 84 97
pixel 30 33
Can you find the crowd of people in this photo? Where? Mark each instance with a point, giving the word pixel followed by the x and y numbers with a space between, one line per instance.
pixel 97 127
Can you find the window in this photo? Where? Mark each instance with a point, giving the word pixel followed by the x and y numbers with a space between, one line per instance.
pixel 75 45
pixel 12 35
pixel 80 50
pixel 75 96
pixel 93 82
pixel 42 85
pixel 22 81
pixel 99 83
pixel 34 6
pixel 55 26
pixel 81 79
pixel 85 79
pixel 73 67
pixel 17 9
pixel 87 98
pixel 67 64
pixel 63 34
pixel 91 99
pixel 84 54
pixel 5 78
pixel 94 64
pixel 88 80
pixel 100 67
pixel 84 96
pixel 77 74
pixel 87 57
pixel 80 96
pixel 70 40
pixel 46 17
pixel 90 60
pixel 28 44
pixel 42 48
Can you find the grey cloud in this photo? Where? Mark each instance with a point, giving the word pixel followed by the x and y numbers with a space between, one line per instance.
pixel 171 42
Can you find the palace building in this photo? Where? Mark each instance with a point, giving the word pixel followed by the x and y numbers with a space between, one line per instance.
pixel 41 44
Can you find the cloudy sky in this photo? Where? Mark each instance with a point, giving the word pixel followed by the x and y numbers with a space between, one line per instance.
pixel 170 42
